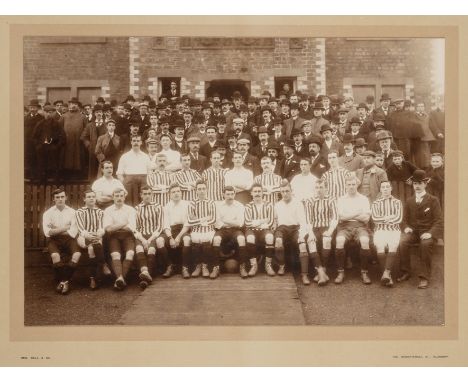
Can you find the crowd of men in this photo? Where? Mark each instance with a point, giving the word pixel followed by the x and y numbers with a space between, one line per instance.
pixel 299 174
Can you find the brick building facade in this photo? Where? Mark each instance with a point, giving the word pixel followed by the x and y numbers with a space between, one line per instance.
pixel 113 67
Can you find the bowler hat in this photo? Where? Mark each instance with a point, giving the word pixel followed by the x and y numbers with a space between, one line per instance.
pixel 178 126
pixel 206 105
pixel 314 139
pixel 419 176
pixel 97 107
pixel 362 105
pixel 48 108
pixel 379 117
pixel 130 98
pixel 244 141
pixel 359 142
pixel 219 145
pixel 152 104
pixel 324 128
pixel 348 138
pixel 273 146
pixel 262 130
pixel 265 108
pixel 277 121
pixel 193 138
pixel 370 99
pixel 289 143
pixel 296 132
pixel 342 110
pixel 252 99
pixel 318 105
pixel 385 97
pixel 35 102
pixel 58 101
pixel 397 153
pixel 225 101
pixel 243 108
pixel 368 153
pixel 100 99
pixel 294 105
pixel 355 120
pixel 74 100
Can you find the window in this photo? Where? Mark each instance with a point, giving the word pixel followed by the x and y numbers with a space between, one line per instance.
pixel 360 92
pixel 394 91
pixel 395 87
pixel 55 94
pixel 88 95
pixel 165 86
pixel 288 84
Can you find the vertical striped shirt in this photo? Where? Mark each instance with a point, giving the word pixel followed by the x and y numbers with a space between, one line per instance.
pixel 390 209
pixel 200 209
pixel 149 219
pixel 335 181
pixel 214 179
pixel 261 211
pixel 159 178
pixel 89 219
pixel 321 212
pixel 270 181
pixel 186 179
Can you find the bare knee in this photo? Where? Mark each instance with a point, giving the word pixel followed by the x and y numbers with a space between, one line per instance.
pixel 278 242
pixel 217 241
pixel 269 239
pixel 55 257
pixel 160 242
pixel 364 240
pixel 340 242
pixel 241 241
pixel 129 255
pixel 115 256
pixel 186 241
pixel 326 241
pixel 251 239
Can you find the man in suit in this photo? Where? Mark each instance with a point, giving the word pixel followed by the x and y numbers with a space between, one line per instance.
pixel 197 162
pixel 285 114
pixel 261 149
pixel 290 163
pixel 178 142
pixel 384 107
pixel 293 123
pixel 273 153
pixel 350 160
pixel 318 121
pixel 267 119
pixel 249 161
pixel 228 114
pixel 109 145
pixel 30 122
pixel 173 91
pixel 300 149
pixel 278 137
pixel 144 118
pixel 328 142
pixel 384 141
pixel 423 224
pixel 355 128
pixel 327 111
pixel 305 111
pixel 212 138
pixel 318 162
pixel 370 177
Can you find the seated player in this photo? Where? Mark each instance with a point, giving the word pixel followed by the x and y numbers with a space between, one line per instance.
pixel 387 214
pixel 229 223
pixel 176 230
pixel 120 225
pixel 201 218
pixel 291 230
pixel 149 225
pixel 259 218
pixel 89 221
pixel 60 231
pixel 353 214
pixel 322 219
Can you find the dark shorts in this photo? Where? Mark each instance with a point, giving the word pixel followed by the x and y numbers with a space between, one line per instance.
pixel 352 230
pixel 289 233
pixel 175 230
pixel 121 242
pixel 152 243
pixel 259 235
pixel 229 234
pixel 62 244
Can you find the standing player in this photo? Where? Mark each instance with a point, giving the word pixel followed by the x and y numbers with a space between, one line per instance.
pixel 335 178
pixel 353 213
pixel 303 184
pixel 240 178
pixel 214 178
pixel 186 178
pixel 322 218
pixel 58 227
pixel 259 219
pixel 89 221
pixel 202 217
pixel 176 228
pixel 149 225
pixel 229 222
pixel 159 180
pixel 291 230
pixel 120 225
pixel 387 214
pixel 269 181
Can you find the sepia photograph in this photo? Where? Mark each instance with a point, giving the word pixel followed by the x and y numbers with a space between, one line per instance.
pixel 233 181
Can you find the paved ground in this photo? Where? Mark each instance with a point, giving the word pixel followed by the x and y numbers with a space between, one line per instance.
pixel 231 300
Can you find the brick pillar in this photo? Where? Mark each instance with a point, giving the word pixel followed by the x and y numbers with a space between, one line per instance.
pixel 437 66
pixel 134 66
pixel 185 86
pixel 409 91
pixel 269 84
pixel 153 90
pixel 320 82
pixel 42 95
pixel 200 90
pixel 105 92
pixel 255 89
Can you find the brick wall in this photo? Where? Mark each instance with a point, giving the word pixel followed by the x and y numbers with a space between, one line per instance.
pixel 379 59
pixel 102 59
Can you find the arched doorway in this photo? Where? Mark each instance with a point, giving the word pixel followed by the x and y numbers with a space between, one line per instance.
pixel 226 88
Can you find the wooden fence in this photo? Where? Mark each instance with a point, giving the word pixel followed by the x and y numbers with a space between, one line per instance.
pixel 37 199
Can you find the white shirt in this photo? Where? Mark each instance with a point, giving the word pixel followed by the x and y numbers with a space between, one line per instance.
pixel 59 219
pixel 175 213
pixel 123 215
pixel 233 213
pixel 173 159
pixel 291 213
pixel 358 204
pixel 239 178
pixel 303 186
pixel 419 196
pixel 134 163
pixel 105 187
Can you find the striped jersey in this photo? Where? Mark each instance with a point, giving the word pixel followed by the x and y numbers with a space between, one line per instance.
pixel 157 178
pixel 390 209
pixel 89 219
pixel 321 212
pixel 149 218
pixel 199 209
pixel 259 212
pixel 270 181
pixel 214 179
pixel 184 178
pixel 335 181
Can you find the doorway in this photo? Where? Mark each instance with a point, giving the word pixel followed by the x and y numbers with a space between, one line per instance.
pixel 226 88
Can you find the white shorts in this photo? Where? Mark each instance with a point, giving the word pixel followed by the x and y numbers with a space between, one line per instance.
pixel 202 237
pixel 383 238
